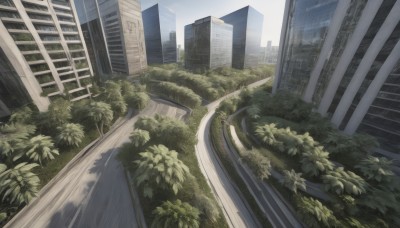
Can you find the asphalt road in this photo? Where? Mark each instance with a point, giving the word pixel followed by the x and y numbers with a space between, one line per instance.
pixel 236 212
pixel 94 191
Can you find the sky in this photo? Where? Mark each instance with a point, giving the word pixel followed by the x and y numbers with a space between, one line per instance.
pixel 187 11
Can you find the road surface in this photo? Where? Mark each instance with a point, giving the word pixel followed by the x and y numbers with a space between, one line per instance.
pixel 236 212
pixel 94 191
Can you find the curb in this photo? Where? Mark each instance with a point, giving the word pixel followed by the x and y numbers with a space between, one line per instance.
pixel 141 221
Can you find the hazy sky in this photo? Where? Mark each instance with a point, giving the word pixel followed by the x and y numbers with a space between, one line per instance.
pixel 187 11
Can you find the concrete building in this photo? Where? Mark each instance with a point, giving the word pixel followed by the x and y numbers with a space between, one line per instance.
pixel 247 30
pixel 344 57
pixel 42 53
pixel 208 44
pixel 160 34
pixel 114 33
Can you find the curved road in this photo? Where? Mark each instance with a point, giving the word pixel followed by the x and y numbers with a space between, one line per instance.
pixel 94 191
pixel 235 210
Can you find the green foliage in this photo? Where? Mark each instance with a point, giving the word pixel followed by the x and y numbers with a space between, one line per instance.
pixel 113 96
pixel 207 207
pixel 293 181
pixel 70 134
pixel 100 114
pixel 40 149
pixel 260 164
pixel 340 181
pixel 172 133
pixel 228 106
pixel 22 115
pixel 19 185
pixel 179 94
pixel 13 138
pixel 314 214
pixel 176 214
pixel 138 100
pixel 59 113
pixel 316 161
pixel 382 201
pixel 374 168
pixel 158 167
pixel 139 137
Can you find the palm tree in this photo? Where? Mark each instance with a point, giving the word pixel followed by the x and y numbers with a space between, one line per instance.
pixel 70 134
pixel 315 161
pixel 160 167
pixel 340 181
pixel 314 213
pixel 139 137
pixel 176 214
pixel 13 138
pixel 374 168
pixel 40 149
pixel 293 181
pixel 266 133
pixel 19 185
pixel 22 115
pixel 101 114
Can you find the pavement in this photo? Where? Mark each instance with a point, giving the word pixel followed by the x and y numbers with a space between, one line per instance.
pixel 236 211
pixel 93 192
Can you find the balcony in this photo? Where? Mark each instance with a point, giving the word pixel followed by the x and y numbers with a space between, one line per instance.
pixel 61 3
pixel 7 3
pixel 44 79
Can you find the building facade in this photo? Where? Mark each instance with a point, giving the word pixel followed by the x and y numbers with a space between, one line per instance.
pixel 247 30
pixel 160 35
pixel 208 44
pixel 270 54
pixel 42 53
pixel 344 57
pixel 114 33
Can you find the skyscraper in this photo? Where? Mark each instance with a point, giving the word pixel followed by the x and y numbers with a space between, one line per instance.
pixel 247 30
pixel 344 56
pixel 114 33
pixel 160 34
pixel 42 53
pixel 208 44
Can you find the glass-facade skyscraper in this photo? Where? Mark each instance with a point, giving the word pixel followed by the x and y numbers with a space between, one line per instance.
pixel 208 44
pixel 114 33
pixel 247 30
pixel 160 34
pixel 344 57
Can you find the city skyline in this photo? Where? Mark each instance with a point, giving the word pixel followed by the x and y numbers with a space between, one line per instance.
pixel 273 14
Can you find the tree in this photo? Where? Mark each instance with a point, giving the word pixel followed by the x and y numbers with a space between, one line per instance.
pixel 100 114
pixel 40 149
pixel 113 96
pixel 293 181
pixel 59 112
pixel 259 163
pixel 19 185
pixel 315 161
pixel 70 134
pixel 139 137
pixel 176 214
pixel 13 138
pixel 313 212
pixel 160 167
pixel 374 168
pixel 340 181
pixel 138 100
pixel 381 200
pixel 22 115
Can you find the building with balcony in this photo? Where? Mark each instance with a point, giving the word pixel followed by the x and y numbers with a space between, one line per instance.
pixel 344 57
pixel 247 30
pixel 160 34
pixel 114 35
pixel 42 53
pixel 208 44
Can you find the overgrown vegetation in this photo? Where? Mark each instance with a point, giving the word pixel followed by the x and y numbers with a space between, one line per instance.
pixel 174 178
pixel 364 190
pixel 35 146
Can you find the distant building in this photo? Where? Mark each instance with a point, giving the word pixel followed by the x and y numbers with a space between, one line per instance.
pixel 160 34
pixel 114 34
pixel 42 54
pixel 344 57
pixel 270 54
pixel 247 30
pixel 208 44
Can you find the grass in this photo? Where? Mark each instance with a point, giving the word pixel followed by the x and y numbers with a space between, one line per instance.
pixel 51 169
pixel 128 154
pixel 224 158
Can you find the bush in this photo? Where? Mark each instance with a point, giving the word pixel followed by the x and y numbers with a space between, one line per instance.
pixel 182 95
